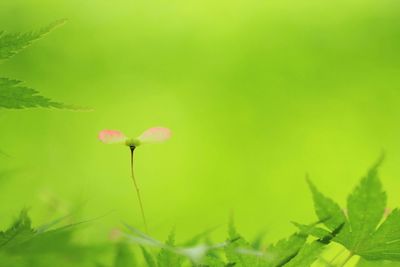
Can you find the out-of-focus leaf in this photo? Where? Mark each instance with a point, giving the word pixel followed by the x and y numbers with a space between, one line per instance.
pixel 365 263
pixel 12 43
pixel 196 239
pixel 166 257
pixel 149 259
pixel 25 246
pixel 257 242
pixel 20 231
pixel 124 256
pixel 238 243
pixel 13 95
pixel 212 261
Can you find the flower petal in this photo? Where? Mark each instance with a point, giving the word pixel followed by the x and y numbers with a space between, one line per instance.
pixel 112 137
pixel 155 135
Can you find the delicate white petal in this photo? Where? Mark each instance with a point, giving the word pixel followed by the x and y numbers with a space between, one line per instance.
pixel 155 135
pixel 112 137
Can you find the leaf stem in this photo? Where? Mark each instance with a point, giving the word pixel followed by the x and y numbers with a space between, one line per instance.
pixel 138 192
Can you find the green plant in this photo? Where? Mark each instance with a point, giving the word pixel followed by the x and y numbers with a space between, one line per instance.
pixel 21 244
pixel 359 229
pixel 364 232
pixel 13 95
pixel 150 136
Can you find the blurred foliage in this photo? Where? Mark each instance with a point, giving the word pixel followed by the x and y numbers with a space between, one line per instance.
pixel 12 94
pixel 22 245
pixel 379 242
pixel 13 43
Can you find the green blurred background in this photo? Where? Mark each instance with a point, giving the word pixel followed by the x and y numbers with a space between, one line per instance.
pixel 257 94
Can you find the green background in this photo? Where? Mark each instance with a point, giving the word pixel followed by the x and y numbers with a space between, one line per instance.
pixel 257 94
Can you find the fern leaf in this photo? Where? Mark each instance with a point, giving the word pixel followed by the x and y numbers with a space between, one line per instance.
pixel 167 257
pixel 13 43
pixel 15 96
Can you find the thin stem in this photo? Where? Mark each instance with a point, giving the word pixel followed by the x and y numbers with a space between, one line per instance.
pixel 137 191
pixel 347 259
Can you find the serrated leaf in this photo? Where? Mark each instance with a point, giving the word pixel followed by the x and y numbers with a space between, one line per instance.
pixel 12 43
pixel 19 232
pixel 307 255
pixel 237 242
pixel 12 94
pixel 286 249
pixel 366 206
pixel 361 234
pixel 330 213
pixel 166 257
pixel 15 96
pixel 312 230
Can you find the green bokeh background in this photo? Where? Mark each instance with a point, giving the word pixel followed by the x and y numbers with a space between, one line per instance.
pixel 257 94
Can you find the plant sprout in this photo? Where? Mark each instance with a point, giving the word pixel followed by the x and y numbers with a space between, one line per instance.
pixel 150 136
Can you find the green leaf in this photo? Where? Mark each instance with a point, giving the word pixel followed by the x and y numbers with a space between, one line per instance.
pixel 12 94
pixel 312 230
pixel 148 258
pixel 240 252
pixel 307 255
pixel 24 246
pixel 286 249
pixel 235 244
pixel 365 263
pixel 330 213
pixel 366 206
pixel 19 232
pixel 362 235
pixel 212 261
pixel 258 240
pixel 384 243
pixel 13 43
pixel 124 257
pixel 15 96
pixel 167 258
